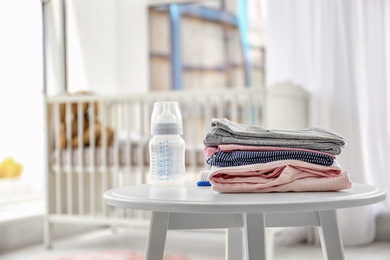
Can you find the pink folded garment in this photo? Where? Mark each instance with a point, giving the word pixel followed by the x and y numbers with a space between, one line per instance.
pixel 210 150
pixel 279 176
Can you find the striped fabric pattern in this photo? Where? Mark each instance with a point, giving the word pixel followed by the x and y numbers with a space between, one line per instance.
pixel 237 158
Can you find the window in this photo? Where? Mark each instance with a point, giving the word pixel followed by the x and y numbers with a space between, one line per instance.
pixel 21 99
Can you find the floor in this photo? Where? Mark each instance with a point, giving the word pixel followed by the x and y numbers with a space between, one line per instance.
pixel 196 245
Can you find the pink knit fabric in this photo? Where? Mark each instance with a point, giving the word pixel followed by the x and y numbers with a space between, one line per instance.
pixel 210 150
pixel 279 176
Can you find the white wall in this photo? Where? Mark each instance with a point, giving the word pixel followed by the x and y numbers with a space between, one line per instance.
pixel 287 106
pixel 108 45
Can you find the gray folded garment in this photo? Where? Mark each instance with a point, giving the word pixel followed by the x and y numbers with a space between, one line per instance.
pixel 224 131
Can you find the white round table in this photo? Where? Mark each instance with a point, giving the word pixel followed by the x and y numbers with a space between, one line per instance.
pixel 244 215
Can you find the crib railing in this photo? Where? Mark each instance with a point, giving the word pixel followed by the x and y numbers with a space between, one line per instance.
pixel 98 142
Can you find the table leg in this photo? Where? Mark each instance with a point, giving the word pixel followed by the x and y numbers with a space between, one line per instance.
pixel 157 235
pixel 331 242
pixel 234 244
pixel 254 236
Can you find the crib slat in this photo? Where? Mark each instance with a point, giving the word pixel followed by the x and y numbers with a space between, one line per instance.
pixel 115 116
pixel 233 108
pixel 103 167
pixel 129 114
pixel 146 130
pixel 140 150
pixel 207 106
pixel 128 159
pixel 80 155
pixel 256 105
pixel 92 163
pixel 139 170
pixel 220 109
pixel 58 159
pixel 195 120
pixel 68 167
pixel 245 105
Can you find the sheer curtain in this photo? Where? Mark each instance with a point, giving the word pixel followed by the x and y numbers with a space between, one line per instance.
pixel 340 52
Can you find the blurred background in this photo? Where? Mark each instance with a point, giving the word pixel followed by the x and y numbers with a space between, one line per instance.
pixel 337 51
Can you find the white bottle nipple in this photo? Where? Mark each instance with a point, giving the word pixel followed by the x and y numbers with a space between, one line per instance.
pixel 166 116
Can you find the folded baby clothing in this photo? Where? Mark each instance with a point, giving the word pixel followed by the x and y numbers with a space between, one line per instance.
pixel 254 159
pixel 237 158
pixel 210 150
pixel 279 176
pixel 224 131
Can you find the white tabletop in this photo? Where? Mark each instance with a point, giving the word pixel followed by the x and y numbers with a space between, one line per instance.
pixel 193 199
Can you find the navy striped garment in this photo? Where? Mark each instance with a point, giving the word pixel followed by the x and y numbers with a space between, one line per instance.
pixel 237 158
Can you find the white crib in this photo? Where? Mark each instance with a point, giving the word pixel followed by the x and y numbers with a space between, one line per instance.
pixel 79 174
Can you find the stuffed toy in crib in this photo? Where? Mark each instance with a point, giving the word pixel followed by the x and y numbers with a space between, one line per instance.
pixel 97 125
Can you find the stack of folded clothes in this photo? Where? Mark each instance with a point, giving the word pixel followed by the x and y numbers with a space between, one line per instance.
pixel 247 158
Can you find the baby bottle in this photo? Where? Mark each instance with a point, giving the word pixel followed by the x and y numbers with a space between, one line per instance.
pixel 167 147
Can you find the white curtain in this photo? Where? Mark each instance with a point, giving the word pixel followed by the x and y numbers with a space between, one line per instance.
pixel 340 52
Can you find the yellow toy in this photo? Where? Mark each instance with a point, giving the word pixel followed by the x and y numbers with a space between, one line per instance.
pixel 9 168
